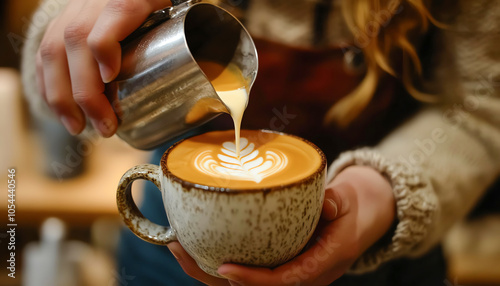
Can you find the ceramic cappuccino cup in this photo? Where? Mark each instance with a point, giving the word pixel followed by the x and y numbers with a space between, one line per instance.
pixel 258 208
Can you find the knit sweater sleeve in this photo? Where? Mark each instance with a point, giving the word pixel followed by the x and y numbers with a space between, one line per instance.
pixel 444 159
pixel 41 18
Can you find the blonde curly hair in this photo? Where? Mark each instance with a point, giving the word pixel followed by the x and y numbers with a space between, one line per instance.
pixel 387 27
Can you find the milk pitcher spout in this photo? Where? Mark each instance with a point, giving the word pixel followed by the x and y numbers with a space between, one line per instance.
pixel 161 91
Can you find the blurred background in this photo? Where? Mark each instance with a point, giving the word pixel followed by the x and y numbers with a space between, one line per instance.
pixel 67 222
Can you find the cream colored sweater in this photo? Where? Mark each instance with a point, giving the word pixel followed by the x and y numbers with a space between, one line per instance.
pixel 441 161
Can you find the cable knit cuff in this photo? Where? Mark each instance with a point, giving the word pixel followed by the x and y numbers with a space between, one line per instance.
pixel 415 200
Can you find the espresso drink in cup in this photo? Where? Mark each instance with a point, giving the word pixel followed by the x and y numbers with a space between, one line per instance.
pixel 259 208
pixel 266 160
pixel 254 200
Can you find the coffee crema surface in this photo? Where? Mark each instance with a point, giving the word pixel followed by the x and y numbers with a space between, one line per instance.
pixel 267 159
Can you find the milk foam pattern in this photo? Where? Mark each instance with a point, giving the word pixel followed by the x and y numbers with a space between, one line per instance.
pixel 249 166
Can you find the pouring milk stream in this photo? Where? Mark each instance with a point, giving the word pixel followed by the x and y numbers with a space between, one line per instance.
pixel 230 86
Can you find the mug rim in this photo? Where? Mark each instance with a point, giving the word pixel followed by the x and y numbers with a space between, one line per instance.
pixel 205 187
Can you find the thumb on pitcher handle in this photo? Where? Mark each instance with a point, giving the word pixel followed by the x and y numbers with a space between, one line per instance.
pixel 132 216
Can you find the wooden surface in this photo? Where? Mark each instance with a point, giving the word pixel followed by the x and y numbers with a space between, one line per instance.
pixel 472 249
pixel 78 200
pixel 473 269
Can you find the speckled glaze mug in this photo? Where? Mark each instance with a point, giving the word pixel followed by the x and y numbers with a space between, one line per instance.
pixel 257 227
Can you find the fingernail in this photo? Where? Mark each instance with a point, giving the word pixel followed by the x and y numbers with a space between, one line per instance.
pixel 175 254
pixel 106 73
pixel 71 124
pixel 333 206
pixel 230 276
pixel 106 127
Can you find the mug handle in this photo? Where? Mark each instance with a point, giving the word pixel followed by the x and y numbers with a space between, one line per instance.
pixel 132 216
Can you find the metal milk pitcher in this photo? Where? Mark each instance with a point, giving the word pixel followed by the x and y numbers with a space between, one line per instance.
pixel 161 92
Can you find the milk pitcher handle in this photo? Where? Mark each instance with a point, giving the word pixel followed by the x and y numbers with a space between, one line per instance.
pixel 132 216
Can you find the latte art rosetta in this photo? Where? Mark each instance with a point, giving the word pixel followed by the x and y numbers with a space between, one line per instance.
pixel 249 166
pixel 267 159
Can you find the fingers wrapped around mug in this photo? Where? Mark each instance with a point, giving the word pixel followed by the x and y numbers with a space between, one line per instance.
pixel 356 214
pixel 189 266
